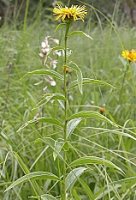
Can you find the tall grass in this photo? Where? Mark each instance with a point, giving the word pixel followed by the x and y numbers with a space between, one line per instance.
pixel 31 149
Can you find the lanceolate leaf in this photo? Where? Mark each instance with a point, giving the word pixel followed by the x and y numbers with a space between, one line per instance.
pixel 57 148
pixel 75 194
pixel 93 160
pixel 21 163
pixel 52 144
pixel 52 121
pixel 91 81
pixel 104 191
pixel 80 33
pixel 73 176
pixel 79 75
pixel 61 25
pixel 87 189
pixel 57 48
pixel 33 175
pixel 93 115
pixel 48 97
pixel 41 154
pixel 26 170
pixel 46 72
pixel 48 197
pixel 71 125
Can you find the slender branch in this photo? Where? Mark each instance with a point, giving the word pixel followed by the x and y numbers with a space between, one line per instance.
pixel 123 81
pixel 65 111
pixel 65 81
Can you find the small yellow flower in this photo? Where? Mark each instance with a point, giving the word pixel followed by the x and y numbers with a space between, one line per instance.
pixel 75 12
pixel 129 55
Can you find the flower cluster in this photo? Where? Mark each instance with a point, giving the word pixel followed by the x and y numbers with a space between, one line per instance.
pixel 45 55
pixel 129 55
pixel 46 50
pixel 75 12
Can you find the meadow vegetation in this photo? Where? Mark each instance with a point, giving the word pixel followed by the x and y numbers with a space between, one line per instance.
pixel 34 149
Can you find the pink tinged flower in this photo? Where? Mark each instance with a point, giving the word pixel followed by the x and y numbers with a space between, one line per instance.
pixel 54 63
pixel 53 83
pixel 41 55
pixel 56 41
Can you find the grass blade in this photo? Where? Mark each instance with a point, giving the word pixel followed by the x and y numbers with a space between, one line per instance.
pixel 33 175
pixel 71 125
pixel 93 115
pixel 91 81
pixel 45 72
pixel 52 121
pixel 47 197
pixel 73 176
pixel 76 33
pixel 94 160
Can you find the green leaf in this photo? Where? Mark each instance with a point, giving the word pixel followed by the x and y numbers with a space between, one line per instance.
pixel 94 160
pixel 80 33
pixel 21 163
pixel 71 125
pixel 61 25
pixel 45 72
pixel 87 189
pixel 91 81
pixel 93 115
pixel 75 195
pixel 48 97
pixel 26 171
pixel 126 180
pixel 57 148
pixel 33 175
pixel 51 142
pixel 47 197
pixel 57 48
pixel 38 158
pixel 52 121
pixel 79 75
pixel 73 176
pixel 102 193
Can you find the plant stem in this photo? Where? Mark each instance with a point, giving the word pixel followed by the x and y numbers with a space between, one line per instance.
pixel 123 81
pixel 65 81
pixel 63 195
pixel 26 14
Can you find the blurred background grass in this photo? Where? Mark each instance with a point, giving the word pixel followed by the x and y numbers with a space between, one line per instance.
pixel 24 24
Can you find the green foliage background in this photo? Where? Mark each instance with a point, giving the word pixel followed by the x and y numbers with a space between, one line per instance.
pixel 31 149
pixel 115 10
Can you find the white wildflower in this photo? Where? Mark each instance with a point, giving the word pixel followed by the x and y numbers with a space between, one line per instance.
pixel 41 55
pixel 53 83
pixel 53 63
pixel 55 40
pixel 58 53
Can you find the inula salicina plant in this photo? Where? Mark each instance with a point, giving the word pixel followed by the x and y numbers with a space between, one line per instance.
pixel 65 165
pixel 129 59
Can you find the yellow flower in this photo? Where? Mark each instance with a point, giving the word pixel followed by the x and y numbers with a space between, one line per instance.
pixel 129 55
pixel 75 12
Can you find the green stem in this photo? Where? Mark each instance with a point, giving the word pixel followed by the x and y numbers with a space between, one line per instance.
pixel 26 14
pixel 65 81
pixel 123 81
pixel 63 195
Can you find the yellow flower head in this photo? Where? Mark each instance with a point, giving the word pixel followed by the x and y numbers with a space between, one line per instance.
pixel 75 12
pixel 129 55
